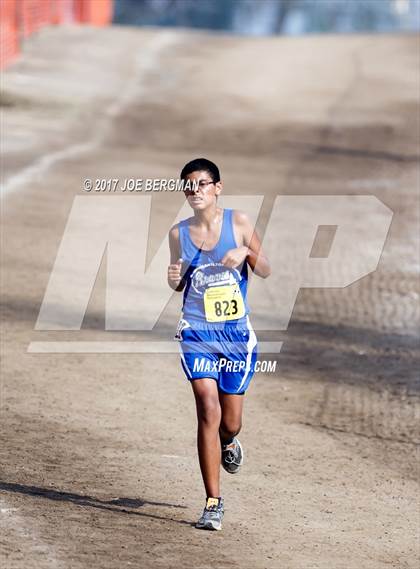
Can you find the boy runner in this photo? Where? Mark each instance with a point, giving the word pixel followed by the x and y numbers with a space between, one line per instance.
pixel 209 255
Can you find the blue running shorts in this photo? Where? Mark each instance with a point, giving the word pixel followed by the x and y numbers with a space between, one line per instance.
pixel 227 355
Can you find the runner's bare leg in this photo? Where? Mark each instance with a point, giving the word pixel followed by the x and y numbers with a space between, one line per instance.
pixel 231 422
pixel 208 442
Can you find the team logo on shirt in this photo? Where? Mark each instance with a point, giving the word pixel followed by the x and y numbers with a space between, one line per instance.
pixel 213 274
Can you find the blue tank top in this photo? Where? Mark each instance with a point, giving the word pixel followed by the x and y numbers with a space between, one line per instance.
pixel 207 302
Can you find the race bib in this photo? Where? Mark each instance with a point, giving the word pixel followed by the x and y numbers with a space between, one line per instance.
pixel 223 303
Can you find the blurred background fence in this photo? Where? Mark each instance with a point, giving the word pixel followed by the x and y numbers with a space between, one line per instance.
pixel 19 19
pixel 268 17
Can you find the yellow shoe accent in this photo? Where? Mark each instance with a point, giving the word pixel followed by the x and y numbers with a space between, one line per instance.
pixel 212 502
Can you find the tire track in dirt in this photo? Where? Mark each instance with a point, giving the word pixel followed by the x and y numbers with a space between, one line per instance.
pixel 368 413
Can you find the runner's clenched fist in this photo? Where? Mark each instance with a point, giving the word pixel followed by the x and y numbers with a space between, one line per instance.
pixel 174 274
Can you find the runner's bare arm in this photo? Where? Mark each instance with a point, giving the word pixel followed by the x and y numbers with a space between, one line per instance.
pixel 175 280
pixel 255 257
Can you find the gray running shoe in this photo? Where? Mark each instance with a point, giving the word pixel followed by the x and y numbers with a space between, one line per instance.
pixel 232 456
pixel 212 515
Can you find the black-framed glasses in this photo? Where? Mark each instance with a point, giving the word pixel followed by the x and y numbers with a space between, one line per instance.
pixel 190 186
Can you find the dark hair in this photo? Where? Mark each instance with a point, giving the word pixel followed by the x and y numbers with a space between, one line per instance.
pixel 201 164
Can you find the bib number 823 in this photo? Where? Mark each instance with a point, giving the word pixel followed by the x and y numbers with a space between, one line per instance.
pixel 223 303
pixel 225 310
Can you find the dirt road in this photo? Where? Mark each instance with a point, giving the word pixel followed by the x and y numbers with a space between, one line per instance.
pixel 98 464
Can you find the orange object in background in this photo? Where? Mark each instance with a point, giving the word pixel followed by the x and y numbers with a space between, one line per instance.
pixel 9 41
pixel 21 18
pixel 62 12
pixel 34 14
pixel 94 12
